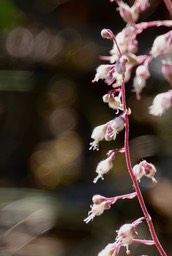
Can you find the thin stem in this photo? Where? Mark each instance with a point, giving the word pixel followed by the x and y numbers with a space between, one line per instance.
pixel 134 180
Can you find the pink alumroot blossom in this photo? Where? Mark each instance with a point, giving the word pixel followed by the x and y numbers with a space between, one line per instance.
pixel 127 233
pixel 167 70
pixel 97 135
pixel 162 44
pixel 161 103
pixel 105 72
pixel 128 14
pixel 101 203
pixel 114 102
pixel 103 167
pixel 144 169
pixel 139 82
pixel 107 131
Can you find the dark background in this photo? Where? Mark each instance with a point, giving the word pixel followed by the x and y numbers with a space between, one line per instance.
pixel 49 51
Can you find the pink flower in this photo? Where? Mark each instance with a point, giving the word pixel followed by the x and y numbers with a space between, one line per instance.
pixel 97 135
pixel 103 167
pixel 162 44
pixel 128 14
pixel 161 103
pixel 105 72
pixel 139 82
pixel 144 169
pixel 138 171
pixel 113 102
pixel 149 170
pixel 127 232
pixel 101 203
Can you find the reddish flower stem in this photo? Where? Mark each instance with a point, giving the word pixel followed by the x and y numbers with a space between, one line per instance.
pixel 134 180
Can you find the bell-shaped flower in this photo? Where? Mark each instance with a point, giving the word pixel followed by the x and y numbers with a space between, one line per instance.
pixel 161 103
pixel 105 72
pixel 97 135
pixel 139 82
pixel 149 170
pixel 144 169
pixel 114 102
pixel 103 167
pixel 127 232
pixel 128 14
pixel 162 44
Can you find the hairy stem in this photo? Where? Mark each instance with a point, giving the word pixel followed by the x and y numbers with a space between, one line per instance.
pixel 134 180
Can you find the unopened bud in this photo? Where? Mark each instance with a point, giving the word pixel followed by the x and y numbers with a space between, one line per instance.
pixel 107 33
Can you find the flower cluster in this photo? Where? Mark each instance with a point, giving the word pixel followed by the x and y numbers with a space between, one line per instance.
pixel 122 60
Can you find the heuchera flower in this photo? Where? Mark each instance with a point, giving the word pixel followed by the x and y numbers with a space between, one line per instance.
pixel 144 169
pixel 105 72
pixel 149 170
pixel 97 135
pixel 128 14
pixel 127 233
pixel 101 203
pixel 107 131
pixel 114 102
pixel 161 103
pixel 139 82
pixel 103 167
pixel 138 171
pixel 162 44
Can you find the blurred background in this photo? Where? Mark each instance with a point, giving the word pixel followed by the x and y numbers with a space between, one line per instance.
pixel 49 51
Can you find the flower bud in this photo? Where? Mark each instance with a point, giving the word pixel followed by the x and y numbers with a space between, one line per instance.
pixel 107 33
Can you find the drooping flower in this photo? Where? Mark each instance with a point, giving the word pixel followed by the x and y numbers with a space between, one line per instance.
pixel 114 102
pixel 161 103
pixel 127 13
pixel 149 170
pixel 97 135
pixel 103 167
pixel 144 169
pixel 127 232
pixel 139 82
pixel 105 72
pixel 101 203
pixel 162 44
